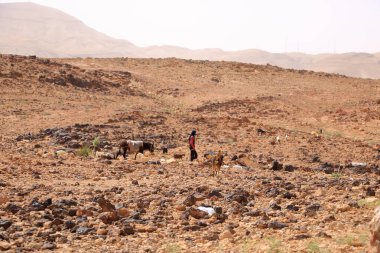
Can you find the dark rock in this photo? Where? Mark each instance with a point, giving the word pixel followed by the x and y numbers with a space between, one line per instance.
pixel 66 202
pixel 254 213
pixel 127 230
pixel 277 225
pixel 83 230
pixel 272 192
pixel 289 168
pixel 39 206
pixel 356 183
pixel 289 195
pixel 370 192
pixel 276 165
pixel 301 237
pixel 69 224
pixel 354 204
pixel 105 205
pixel 218 209
pixel 274 206
pixel 316 159
pixel 312 210
pixel 108 217
pixel 240 196
pixel 216 193
pixel 323 234
pixel 135 182
pixel 12 208
pixel 49 246
pixel 292 207
pixel 190 200
pixel 57 222
pixel 192 228
pixel 5 224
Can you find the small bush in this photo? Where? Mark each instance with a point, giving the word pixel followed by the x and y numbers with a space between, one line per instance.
pixel 96 142
pixel 275 245
pixel 173 248
pixel 84 151
pixel 336 175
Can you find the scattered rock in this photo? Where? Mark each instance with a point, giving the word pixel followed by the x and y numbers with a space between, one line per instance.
pixel 276 225
pixel 5 224
pixel 49 246
pixel 83 230
pixel 105 205
pixel 197 214
pixel 4 246
pixel 276 165
pixel 190 200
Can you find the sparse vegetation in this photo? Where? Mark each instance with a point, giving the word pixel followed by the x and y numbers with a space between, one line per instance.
pixel 84 151
pixel 96 142
pixel 173 248
pixel 314 247
pixel 368 204
pixel 275 245
pixel 336 175
pixel 333 134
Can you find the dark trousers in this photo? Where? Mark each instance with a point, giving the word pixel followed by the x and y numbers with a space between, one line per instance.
pixel 193 154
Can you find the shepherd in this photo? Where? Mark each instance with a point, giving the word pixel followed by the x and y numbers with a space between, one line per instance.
pixel 193 152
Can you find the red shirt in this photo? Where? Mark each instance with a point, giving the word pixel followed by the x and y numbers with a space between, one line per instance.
pixel 192 142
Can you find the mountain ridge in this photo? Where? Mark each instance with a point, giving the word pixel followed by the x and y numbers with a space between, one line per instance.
pixel 66 36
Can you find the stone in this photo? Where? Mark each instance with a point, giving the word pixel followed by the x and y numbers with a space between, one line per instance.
pixel 277 225
pixel 289 168
pixel 276 165
pixel 69 224
pixel 101 231
pixel 127 229
pixel 83 230
pixel 108 217
pixel 197 214
pixel 190 200
pixel 123 212
pixel 227 234
pixel 5 224
pixel 12 208
pixel 180 207
pixel 240 196
pixel 3 199
pixel 49 246
pixel 5 245
pixel 105 205
pixel 370 192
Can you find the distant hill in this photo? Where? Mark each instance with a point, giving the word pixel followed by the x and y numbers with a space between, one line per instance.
pixel 27 28
pixel 31 29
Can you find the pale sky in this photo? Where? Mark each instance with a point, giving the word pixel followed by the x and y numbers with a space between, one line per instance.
pixel 310 26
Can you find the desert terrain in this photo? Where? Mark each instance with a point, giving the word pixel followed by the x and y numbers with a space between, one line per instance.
pixel 31 29
pixel 314 190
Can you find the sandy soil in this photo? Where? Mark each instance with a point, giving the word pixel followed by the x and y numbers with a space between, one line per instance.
pixel 309 192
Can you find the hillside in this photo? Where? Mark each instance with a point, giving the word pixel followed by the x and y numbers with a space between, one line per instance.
pixel 310 191
pixel 30 29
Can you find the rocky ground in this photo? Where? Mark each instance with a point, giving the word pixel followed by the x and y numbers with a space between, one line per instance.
pixel 62 120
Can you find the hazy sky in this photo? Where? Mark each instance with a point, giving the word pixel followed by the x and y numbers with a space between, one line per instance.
pixel 311 26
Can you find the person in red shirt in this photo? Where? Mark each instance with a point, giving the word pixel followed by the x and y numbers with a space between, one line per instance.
pixel 193 152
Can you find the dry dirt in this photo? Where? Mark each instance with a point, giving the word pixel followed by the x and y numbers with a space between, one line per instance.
pixel 310 192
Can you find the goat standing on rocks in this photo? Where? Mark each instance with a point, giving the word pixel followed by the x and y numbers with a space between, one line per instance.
pixel 134 147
